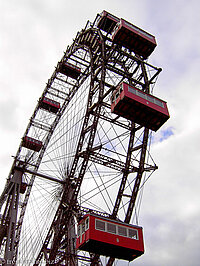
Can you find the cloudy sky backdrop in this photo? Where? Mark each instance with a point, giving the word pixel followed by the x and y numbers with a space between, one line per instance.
pixel 33 36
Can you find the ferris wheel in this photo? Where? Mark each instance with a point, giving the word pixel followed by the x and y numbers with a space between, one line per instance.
pixel 85 151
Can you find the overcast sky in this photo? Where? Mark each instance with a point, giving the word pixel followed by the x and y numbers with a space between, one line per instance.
pixel 33 36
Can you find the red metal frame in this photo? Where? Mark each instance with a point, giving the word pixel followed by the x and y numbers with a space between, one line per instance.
pixel 50 105
pixel 70 70
pixel 134 38
pixel 107 21
pixel 138 106
pixel 105 243
pixel 23 187
pixel 32 144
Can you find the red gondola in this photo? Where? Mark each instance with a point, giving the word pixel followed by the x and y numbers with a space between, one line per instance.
pixel 23 187
pixel 50 105
pixel 134 38
pixel 138 106
pixel 107 21
pixel 32 144
pixel 70 70
pixel 108 237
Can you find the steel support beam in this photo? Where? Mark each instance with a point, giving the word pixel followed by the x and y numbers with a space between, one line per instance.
pixel 109 162
pixel 12 217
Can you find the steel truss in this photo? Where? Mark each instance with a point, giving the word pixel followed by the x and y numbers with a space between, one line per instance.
pixel 88 143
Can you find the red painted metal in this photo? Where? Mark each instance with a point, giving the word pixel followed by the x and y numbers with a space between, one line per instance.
pixel 138 106
pixel 23 187
pixel 134 38
pixel 70 70
pixel 50 105
pixel 32 144
pixel 107 237
pixel 107 21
